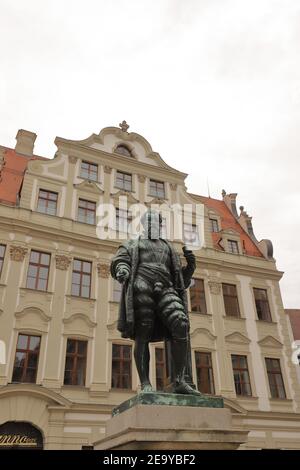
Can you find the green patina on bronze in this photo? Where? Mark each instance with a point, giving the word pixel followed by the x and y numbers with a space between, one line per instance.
pixel 169 399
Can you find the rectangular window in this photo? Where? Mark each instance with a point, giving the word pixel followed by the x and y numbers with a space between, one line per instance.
pixel 26 359
pixel 121 366
pixel 157 189
pixel 190 234
pixel 241 375
pixel 38 270
pixel 124 181
pixel 160 368
pixel 123 219
pixel 233 246
pixel 205 376
pixel 75 367
pixel 117 290
pixel 197 296
pixel 262 304
pixel 2 254
pixel 214 226
pixel 275 378
pixel 47 202
pixel 231 301
pixel 81 278
pixel 86 212
pixel 89 171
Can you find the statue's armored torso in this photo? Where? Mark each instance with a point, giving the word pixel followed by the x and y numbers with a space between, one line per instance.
pixel 155 253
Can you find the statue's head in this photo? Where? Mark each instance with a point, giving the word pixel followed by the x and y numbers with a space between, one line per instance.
pixel 152 222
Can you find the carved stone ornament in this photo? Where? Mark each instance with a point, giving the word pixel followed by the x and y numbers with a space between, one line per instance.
pixel 215 287
pixel 17 253
pixel 107 169
pixel 173 186
pixel 35 166
pixel 142 178
pixel 72 159
pixel 103 270
pixel 62 262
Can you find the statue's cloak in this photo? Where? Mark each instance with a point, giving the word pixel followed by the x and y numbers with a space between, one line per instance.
pixel 128 254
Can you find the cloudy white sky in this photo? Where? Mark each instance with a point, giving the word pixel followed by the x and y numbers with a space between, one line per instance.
pixel 214 85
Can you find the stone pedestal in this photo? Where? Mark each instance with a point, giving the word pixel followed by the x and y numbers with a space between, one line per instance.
pixel 160 421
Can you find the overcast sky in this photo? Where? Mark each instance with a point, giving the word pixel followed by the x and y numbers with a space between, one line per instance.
pixel 214 85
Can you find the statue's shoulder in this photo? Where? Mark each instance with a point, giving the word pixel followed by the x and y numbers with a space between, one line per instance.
pixel 130 244
pixel 171 246
pixel 174 251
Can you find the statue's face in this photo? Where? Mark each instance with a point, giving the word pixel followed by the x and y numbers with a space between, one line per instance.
pixel 151 222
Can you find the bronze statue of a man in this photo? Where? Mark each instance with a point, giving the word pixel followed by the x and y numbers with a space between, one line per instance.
pixel 153 304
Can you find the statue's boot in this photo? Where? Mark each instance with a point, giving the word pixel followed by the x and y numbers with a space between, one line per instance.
pixel 146 387
pixel 179 349
pixel 142 358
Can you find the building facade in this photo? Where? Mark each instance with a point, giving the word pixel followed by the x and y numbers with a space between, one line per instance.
pixel 63 364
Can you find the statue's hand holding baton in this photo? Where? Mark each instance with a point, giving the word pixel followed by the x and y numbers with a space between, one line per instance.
pixel 189 256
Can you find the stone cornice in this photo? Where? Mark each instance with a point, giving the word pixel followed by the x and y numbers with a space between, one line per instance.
pixel 89 186
pixel 35 310
pixel 35 390
pixel 270 342
pixel 82 317
pixel 204 331
pixel 266 415
pixel 237 338
pixel 122 193
pixel 55 179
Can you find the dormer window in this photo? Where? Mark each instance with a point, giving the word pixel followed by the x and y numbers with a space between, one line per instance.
pixel 214 225
pixel 233 246
pixel 123 150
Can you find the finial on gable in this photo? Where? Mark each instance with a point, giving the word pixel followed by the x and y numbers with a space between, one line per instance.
pixel 124 126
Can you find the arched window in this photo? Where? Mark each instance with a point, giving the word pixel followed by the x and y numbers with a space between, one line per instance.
pixel 123 150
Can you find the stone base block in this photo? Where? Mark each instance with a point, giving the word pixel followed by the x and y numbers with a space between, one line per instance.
pixel 170 399
pixel 169 427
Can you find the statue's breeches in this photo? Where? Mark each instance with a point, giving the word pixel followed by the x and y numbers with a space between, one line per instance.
pixel 164 304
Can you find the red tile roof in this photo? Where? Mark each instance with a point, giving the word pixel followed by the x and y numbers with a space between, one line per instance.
pixel 228 221
pixel 11 175
pixel 294 315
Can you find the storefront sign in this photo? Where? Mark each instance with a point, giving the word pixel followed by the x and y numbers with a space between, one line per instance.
pixel 17 440
pixel 21 435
